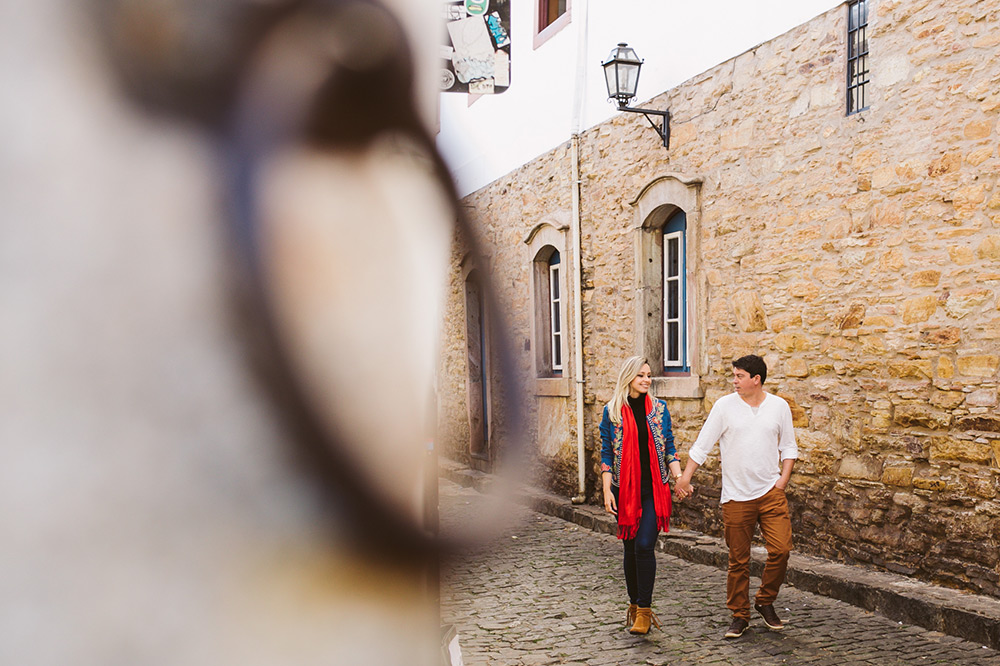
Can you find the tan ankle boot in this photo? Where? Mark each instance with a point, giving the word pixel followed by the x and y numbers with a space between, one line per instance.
pixel 643 618
pixel 630 615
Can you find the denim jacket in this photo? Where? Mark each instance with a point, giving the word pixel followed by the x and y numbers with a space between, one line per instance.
pixel 663 439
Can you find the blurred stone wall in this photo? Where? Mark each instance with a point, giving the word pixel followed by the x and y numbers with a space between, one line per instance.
pixel 860 255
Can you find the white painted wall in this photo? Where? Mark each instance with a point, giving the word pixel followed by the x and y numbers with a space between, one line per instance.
pixel 677 40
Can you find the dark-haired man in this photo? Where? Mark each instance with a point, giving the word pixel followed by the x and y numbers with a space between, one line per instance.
pixel 757 449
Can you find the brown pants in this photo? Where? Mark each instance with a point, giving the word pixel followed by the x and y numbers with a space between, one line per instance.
pixel 740 519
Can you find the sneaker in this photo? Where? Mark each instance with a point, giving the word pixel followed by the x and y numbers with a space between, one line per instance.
pixel 771 618
pixel 737 628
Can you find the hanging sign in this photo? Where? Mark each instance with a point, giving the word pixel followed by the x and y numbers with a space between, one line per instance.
pixel 475 54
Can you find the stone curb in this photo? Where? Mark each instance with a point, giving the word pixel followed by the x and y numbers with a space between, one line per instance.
pixel 972 617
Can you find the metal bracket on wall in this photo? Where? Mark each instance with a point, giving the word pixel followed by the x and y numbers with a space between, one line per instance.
pixel 663 130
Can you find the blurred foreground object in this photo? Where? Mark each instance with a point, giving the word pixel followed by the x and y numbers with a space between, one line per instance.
pixel 152 496
pixel 343 213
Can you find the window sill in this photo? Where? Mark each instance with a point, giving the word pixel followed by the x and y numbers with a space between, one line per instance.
pixel 546 33
pixel 552 386
pixel 677 387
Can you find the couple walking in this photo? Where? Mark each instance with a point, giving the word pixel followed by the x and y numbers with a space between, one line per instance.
pixel 757 450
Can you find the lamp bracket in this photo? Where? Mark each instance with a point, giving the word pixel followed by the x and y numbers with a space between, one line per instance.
pixel 663 130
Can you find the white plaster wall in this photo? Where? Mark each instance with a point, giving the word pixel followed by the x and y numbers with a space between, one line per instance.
pixel 677 40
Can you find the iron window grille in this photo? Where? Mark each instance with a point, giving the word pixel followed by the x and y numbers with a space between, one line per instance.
pixel 857 56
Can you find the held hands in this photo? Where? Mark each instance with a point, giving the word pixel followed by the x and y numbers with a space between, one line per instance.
pixel 683 489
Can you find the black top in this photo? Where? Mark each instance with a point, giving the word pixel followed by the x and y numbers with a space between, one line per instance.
pixel 638 406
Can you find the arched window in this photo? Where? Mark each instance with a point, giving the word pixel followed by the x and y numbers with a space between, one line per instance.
pixel 668 305
pixel 550 336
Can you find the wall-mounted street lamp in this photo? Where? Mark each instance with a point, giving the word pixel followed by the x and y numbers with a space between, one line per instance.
pixel 621 73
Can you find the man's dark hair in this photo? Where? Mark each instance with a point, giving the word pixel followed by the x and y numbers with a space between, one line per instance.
pixel 754 365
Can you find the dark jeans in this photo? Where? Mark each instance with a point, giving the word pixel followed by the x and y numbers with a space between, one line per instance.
pixel 640 561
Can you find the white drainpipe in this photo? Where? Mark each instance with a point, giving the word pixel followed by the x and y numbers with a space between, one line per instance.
pixel 580 12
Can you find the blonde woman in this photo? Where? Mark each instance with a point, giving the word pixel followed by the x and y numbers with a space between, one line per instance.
pixel 637 448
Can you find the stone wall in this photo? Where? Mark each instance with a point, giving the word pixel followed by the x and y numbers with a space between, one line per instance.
pixel 505 213
pixel 860 255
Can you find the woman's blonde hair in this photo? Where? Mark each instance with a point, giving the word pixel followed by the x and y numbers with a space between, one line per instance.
pixel 630 369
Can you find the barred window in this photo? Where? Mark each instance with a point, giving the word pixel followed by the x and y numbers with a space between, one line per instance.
pixel 857 56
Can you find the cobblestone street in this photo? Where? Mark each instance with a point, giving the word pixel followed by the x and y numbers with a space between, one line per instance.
pixel 551 592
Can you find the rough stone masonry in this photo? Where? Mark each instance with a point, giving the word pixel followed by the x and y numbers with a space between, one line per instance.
pixel 860 255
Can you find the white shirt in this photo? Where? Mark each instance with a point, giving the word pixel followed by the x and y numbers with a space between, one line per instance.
pixel 751 446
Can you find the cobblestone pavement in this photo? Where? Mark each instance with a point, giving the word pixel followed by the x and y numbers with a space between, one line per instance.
pixel 550 592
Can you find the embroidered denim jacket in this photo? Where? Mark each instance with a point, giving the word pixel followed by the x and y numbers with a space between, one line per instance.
pixel 663 439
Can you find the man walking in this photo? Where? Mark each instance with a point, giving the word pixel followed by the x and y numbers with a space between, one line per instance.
pixel 757 449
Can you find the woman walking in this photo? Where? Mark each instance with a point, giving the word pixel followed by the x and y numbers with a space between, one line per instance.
pixel 637 448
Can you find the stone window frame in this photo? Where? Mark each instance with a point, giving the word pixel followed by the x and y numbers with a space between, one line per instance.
pixel 657 201
pixel 546 236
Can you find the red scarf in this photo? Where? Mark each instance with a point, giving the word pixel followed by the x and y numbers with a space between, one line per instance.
pixel 630 483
